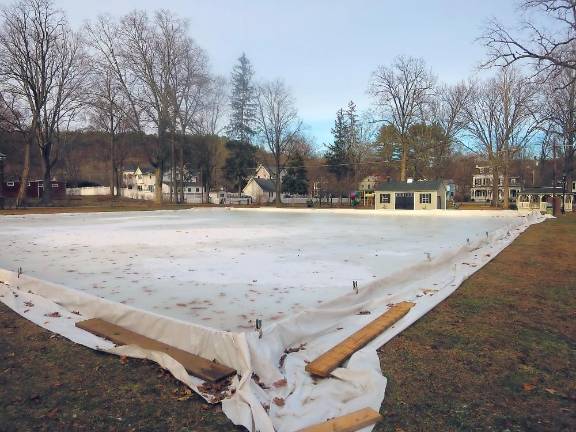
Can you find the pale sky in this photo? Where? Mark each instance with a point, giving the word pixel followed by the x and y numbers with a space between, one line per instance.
pixel 325 50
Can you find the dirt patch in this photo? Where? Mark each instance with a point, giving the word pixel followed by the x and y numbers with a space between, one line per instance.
pixel 499 353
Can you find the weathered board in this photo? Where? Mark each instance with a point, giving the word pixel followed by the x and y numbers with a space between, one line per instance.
pixel 195 365
pixel 347 423
pixel 331 359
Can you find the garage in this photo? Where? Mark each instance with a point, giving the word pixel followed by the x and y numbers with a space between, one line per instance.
pixel 404 201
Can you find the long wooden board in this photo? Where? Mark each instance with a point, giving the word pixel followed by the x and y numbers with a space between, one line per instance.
pixel 347 423
pixel 331 359
pixel 195 365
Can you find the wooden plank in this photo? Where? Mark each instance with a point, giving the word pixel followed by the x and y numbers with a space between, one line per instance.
pixel 347 423
pixel 331 359
pixel 195 365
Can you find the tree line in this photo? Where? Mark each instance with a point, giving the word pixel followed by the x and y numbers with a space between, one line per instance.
pixel 141 78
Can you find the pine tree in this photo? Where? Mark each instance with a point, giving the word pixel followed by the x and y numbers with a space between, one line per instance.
pixel 337 154
pixel 296 179
pixel 242 101
pixel 240 162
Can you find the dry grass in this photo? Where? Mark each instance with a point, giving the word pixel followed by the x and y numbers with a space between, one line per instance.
pixel 500 353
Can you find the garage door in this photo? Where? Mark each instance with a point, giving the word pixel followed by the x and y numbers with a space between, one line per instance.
pixel 405 201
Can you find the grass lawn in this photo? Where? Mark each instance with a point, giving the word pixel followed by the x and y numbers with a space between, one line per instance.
pixel 499 354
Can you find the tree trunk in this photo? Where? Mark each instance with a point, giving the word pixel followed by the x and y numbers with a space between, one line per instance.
pixel 506 181
pixel 278 181
pixel 173 189
pixel 404 160
pixel 112 164
pixel 21 197
pixel 182 172
pixel 495 186
pixel 158 184
pixel 46 165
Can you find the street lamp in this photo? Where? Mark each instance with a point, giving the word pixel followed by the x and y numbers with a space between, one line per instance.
pixel 2 158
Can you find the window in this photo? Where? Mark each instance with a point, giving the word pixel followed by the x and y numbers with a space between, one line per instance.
pixel 189 189
pixel 384 198
pixel 197 189
pixel 54 185
pixel 10 184
pixel 425 198
pixel 151 188
pixel 139 187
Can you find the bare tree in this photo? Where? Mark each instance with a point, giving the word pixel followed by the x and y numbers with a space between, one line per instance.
pixel 107 108
pixel 215 107
pixel 447 109
pixel 278 124
pixel 547 29
pixel 15 118
pixel 559 118
pixel 500 121
pixel 42 63
pixel 401 91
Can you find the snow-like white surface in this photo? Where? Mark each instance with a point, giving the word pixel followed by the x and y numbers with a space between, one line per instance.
pixel 223 268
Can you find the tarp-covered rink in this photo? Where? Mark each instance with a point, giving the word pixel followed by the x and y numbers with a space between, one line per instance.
pixel 300 400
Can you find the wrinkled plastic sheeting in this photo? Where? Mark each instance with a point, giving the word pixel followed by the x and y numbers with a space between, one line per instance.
pixel 306 400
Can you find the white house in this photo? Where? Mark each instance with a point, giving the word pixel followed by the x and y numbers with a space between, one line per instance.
pixel 481 189
pixel 261 190
pixel 267 172
pixel 139 180
pixel 194 190
pixel 261 186
pixel 411 195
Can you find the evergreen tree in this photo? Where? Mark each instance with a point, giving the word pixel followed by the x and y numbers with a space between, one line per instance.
pixel 337 154
pixel 242 101
pixel 295 180
pixel 240 162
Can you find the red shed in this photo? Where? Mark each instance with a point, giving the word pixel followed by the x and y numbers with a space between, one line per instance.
pixel 35 188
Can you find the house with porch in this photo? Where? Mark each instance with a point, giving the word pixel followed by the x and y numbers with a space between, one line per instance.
pixel 411 195
pixel 481 189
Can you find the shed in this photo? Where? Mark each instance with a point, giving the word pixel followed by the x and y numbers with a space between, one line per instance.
pixel 411 195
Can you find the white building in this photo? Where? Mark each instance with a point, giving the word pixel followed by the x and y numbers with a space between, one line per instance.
pixel 261 186
pixel 481 189
pixel 411 195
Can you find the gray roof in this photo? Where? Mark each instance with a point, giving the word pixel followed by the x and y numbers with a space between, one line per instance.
pixel 266 185
pixel 544 190
pixel 394 186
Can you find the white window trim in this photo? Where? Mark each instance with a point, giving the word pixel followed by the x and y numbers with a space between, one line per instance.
pixel 426 198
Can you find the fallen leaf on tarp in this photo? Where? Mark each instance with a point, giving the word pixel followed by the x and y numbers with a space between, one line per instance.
pixel 280 383
pixel 528 387
pixel 279 401
pixel 123 360
pixel 29 304
pixel 53 315
pixel 218 390
pixel 364 313
pixel 551 391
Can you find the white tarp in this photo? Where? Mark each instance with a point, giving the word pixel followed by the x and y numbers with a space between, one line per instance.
pixel 426 282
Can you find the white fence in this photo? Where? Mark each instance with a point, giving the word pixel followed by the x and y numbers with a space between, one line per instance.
pixel 88 191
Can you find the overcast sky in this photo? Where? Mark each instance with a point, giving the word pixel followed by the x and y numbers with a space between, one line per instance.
pixel 326 50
